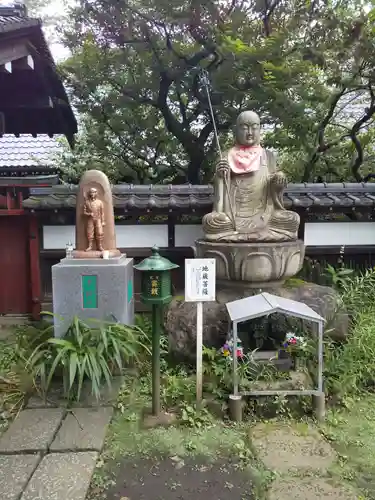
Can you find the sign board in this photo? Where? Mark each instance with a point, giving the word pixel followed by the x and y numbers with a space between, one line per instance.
pixel 200 280
pixel 89 292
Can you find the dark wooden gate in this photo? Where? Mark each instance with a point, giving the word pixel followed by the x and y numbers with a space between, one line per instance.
pixel 14 265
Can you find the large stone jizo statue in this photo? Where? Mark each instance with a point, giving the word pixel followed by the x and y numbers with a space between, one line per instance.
pixel 248 205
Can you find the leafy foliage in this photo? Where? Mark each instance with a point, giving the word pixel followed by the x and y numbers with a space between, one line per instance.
pixel 349 366
pixel 134 73
pixel 86 353
pixel 349 369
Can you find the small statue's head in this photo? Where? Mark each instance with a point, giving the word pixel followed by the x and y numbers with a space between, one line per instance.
pixel 93 193
pixel 248 129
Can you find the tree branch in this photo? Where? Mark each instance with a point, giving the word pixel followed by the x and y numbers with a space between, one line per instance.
pixel 358 159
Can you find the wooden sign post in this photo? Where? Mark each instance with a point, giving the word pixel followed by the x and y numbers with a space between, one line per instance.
pixel 200 286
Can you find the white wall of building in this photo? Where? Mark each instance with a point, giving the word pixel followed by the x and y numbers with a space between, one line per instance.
pixel 145 236
pixel 132 236
pixel 339 233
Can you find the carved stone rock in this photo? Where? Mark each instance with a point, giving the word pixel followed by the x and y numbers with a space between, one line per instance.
pixel 253 264
pixel 180 317
pixel 98 180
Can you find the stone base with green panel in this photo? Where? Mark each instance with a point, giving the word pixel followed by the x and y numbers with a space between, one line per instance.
pixel 92 289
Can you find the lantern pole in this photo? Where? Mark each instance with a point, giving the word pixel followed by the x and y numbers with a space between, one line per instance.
pixel 155 359
pixel 156 292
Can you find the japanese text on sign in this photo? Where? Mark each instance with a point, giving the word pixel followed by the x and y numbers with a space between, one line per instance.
pixel 200 280
pixel 155 285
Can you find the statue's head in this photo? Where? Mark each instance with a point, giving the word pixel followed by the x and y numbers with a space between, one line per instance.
pixel 93 193
pixel 248 129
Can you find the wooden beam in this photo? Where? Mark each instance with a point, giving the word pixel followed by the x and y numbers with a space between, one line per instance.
pixel 22 64
pixel 14 51
pixel 11 212
pixel 25 100
pixel 36 288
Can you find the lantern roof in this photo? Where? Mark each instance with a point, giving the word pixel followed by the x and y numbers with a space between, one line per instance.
pixel 155 262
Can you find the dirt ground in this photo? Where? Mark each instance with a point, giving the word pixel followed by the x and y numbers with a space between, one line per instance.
pixel 177 479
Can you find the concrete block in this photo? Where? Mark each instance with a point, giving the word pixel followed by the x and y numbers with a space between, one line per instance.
pixel 62 476
pixel 92 289
pixel 32 431
pixel 16 471
pixel 83 429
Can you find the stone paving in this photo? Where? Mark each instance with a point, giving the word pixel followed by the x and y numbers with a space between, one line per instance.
pixel 49 452
pixel 301 459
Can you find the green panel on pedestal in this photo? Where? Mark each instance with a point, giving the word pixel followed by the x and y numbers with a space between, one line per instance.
pixel 130 290
pixel 89 292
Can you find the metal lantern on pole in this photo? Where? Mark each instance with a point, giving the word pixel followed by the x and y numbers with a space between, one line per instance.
pixel 156 290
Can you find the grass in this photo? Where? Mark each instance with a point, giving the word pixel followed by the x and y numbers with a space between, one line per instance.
pixel 12 386
pixel 214 440
pixel 351 431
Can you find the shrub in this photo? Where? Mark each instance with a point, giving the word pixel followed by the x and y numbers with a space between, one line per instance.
pixel 358 292
pixel 86 353
pixel 350 367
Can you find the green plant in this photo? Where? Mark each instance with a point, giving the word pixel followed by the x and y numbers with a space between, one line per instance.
pixel 218 372
pixel 177 385
pixel 358 292
pixel 86 353
pixel 350 367
pixel 338 277
pixel 191 416
pixel 29 337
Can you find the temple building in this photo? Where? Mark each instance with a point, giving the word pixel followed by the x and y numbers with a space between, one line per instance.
pixel 34 107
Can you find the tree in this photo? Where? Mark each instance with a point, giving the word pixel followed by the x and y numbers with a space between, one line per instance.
pixel 135 78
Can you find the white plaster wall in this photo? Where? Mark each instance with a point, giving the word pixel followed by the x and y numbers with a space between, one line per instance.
pixel 145 236
pixel 186 234
pixel 132 236
pixel 339 233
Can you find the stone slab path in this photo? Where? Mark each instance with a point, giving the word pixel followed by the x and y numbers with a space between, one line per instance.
pixel 49 452
pixel 301 459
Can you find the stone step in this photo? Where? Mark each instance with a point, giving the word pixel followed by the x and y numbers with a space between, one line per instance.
pixel 62 476
pixel 32 431
pixel 16 471
pixel 83 429
pixel 283 447
pixel 311 488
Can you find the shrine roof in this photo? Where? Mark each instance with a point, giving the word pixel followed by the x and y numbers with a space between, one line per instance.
pixel 28 151
pixel 265 303
pixel 15 22
pixel 32 96
pixel 127 197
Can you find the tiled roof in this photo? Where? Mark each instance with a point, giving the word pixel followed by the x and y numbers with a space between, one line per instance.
pixel 13 16
pixel 303 197
pixel 11 23
pixel 15 25
pixel 28 151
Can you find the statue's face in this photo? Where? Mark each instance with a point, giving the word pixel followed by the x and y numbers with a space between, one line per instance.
pixel 93 193
pixel 248 129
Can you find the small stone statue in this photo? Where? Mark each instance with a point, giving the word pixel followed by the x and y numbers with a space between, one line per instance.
pixel 248 203
pixel 94 211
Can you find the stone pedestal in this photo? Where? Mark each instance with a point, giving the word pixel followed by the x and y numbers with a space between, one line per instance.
pixel 100 289
pixel 255 265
